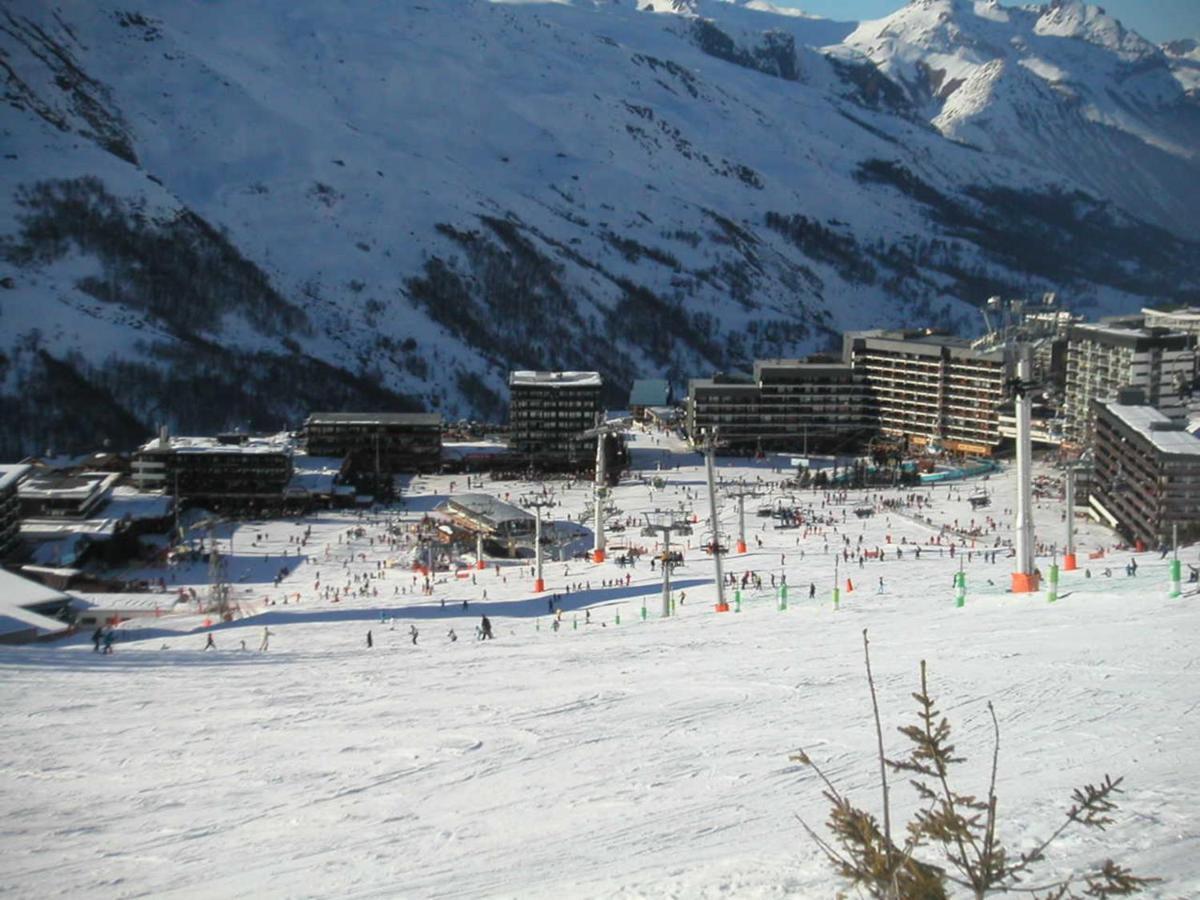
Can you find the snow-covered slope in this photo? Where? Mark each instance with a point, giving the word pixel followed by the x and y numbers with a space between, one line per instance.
pixel 224 215
pixel 1062 86
pixel 646 759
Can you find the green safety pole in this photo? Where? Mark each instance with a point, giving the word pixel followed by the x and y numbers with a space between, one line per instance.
pixel 960 590
pixel 618 622
pixel 837 598
pixel 643 609
pixel 1053 595
pixel 575 623
pixel 737 601
pixel 1176 577
pixel 672 605
pixel 783 598
pixel 539 624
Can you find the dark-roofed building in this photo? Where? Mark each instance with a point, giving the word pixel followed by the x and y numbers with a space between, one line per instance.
pixel 647 393
pixel 374 441
pixel 788 404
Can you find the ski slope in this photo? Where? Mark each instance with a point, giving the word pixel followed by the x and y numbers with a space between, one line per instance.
pixel 645 759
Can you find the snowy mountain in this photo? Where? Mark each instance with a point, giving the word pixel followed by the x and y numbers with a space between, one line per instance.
pixel 1063 87
pixel 226 215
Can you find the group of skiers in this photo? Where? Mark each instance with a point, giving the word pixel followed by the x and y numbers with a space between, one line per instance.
pixel 483 632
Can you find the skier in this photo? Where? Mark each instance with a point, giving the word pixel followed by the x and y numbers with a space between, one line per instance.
pixel 108 641
pixel 97 636
pixel 450 634
pixel 370 640
pixel 267 632
pixel 412 630
pixel 211 645
pixel 812 590
pixel 486 628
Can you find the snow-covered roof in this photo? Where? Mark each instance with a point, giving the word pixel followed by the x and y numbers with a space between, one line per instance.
pixel 1156 428
pixel 555 379
pixel 485 506
pixel 134 504
pixel 54 485
pixel 21 592
pixel 13 620
pixel 11 474
pixel 124 601
pixel 17 593
pixel 58 529
pixel 275 443
pixel 462 449
pixel 313 474
pixel 375 418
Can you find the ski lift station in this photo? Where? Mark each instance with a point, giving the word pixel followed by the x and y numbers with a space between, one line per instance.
pixel 490 516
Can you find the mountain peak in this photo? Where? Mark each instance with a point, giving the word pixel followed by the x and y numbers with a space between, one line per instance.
pixel 1074 18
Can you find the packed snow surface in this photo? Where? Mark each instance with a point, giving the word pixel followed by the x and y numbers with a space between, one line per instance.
pixel 646 758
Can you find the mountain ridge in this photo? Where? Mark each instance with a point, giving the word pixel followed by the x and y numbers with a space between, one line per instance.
pixel 436 194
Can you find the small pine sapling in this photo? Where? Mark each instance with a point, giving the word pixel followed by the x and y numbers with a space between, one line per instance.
pixel 962 827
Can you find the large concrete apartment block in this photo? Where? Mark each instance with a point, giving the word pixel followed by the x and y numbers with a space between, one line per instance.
pixel 1146 477
pixel 1103 358
pixel 798 405
pixel 930 388
pixel 547 413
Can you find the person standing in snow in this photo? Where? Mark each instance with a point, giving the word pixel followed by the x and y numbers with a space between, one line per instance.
pixel 210 644
pixel 486 628
pixel 266 640
pixel 108 641
pixel 97 636
pixel 412 630
pixel 370 640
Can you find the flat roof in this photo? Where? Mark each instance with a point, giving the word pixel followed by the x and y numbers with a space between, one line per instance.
pixel 1176 442
pixel 52 484
pixel 487 506
pixel 16 591
pixel 130 502
pixel 922 341
pixel 555 379
pixel 11 474
pixel 276 443
pixel 375 418
pixel 1135 338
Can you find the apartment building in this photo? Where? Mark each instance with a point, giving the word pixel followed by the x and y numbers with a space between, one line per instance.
pixel 1146 471
pixel 383 442
pixel 929 388
pixel 230 470
pixel 815 405
pixel 1104 357
pixel 548 411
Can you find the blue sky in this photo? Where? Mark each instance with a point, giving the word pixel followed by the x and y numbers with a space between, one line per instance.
pixel 1156 20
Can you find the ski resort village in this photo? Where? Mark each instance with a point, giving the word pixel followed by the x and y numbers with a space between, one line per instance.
pixel 555 449
pixel 576 654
